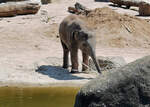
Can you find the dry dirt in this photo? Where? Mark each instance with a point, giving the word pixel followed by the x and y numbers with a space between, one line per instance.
pixel 31 54
pixel 117 30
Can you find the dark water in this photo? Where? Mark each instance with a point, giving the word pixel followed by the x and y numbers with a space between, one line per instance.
pixel 38 97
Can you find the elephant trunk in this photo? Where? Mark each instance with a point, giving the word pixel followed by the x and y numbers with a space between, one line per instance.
pixel 93 56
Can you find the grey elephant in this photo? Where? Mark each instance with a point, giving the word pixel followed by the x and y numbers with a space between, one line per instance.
pixel 74 35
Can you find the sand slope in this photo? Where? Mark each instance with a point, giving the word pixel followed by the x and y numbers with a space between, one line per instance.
pixel 117 30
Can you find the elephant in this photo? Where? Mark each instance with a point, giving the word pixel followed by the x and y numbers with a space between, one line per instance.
pixel 74 35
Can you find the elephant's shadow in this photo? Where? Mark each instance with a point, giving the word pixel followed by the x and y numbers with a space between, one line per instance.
pixel 58 73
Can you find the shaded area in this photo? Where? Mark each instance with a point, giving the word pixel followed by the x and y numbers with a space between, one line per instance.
pixel 58 73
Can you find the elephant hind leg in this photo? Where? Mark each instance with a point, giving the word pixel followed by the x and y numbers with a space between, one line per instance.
pixel 65 56
pixel 74 60
pixel 85 61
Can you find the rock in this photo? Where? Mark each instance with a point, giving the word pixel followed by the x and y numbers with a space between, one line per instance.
pixel 128 86
pixel 144 9
pixel 19 8
pixel 107 63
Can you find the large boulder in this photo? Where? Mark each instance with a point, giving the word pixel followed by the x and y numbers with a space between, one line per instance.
pixel 128 86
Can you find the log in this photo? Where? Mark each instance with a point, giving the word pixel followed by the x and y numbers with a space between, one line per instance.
pixel 45 1
pixel 18 8
pixel 3 1
pixel 127 3
pixel 79 9
pixel 73 10
pixel 144 9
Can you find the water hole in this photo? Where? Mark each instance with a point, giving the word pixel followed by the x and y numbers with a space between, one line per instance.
pixel 38 97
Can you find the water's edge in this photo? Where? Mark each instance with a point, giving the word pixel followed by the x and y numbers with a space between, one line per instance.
pixel 24 85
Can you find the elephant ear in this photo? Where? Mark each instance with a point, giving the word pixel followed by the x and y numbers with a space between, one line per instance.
pixel 78 35
pixel 84 36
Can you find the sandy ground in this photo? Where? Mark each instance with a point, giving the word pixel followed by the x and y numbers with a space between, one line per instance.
pixel 31 54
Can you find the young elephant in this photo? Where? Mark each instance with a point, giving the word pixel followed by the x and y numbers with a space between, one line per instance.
pixel 74 35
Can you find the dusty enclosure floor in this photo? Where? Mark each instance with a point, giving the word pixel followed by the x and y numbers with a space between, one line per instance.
pixel 31 54
pixel 117 30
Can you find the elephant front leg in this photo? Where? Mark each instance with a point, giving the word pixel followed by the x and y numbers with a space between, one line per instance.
pixel 65 56
pixel 74 61
pixel 85 61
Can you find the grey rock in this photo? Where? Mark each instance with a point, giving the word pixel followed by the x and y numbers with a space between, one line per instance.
pixel 128 86
pixel 107 63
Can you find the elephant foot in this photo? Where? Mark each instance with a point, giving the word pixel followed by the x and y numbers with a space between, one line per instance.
pixel 73 71
pixel 65 66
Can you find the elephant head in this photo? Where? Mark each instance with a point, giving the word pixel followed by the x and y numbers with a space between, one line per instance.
pixel 87 42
